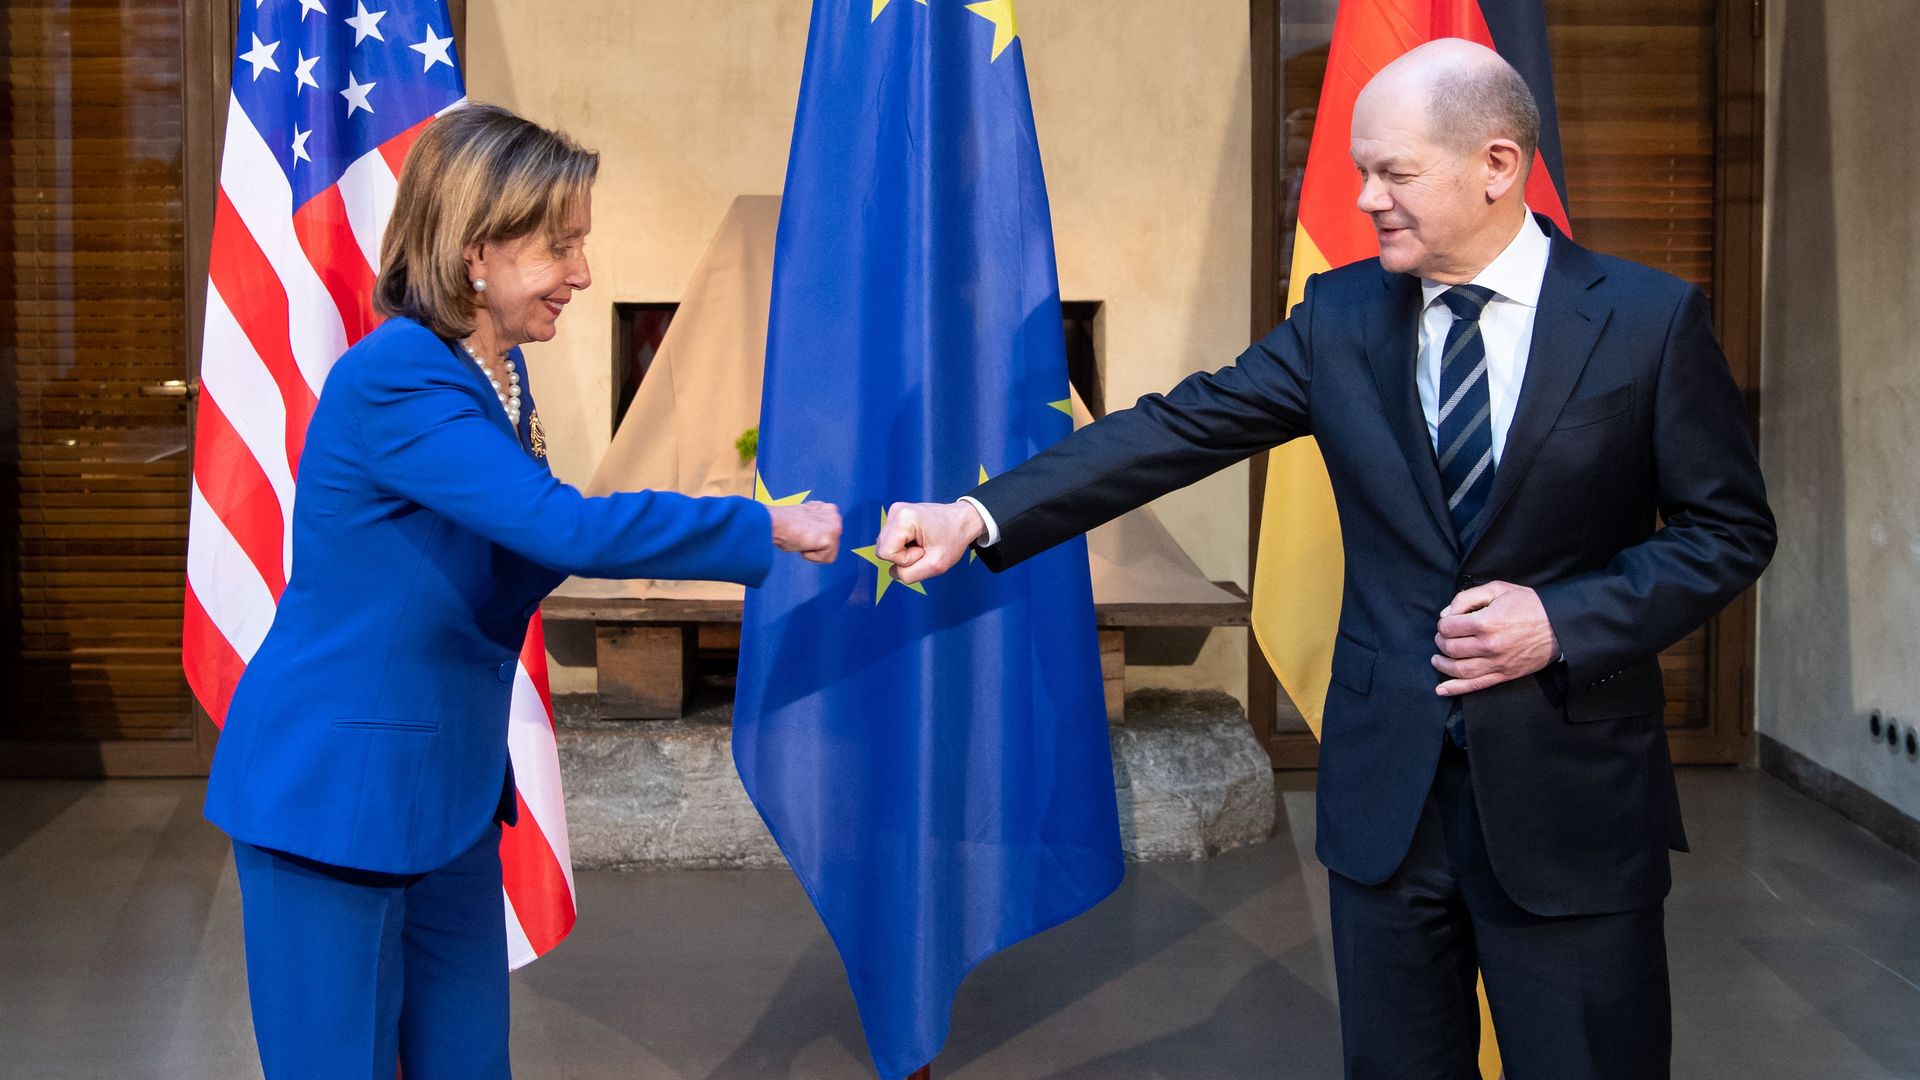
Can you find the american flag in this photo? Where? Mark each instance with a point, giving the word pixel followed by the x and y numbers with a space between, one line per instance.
pixel 325 103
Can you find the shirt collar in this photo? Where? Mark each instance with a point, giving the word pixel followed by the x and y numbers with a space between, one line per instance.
pixel 1515 274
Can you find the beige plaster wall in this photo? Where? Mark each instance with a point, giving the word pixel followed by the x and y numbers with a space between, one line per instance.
pixel 1840 387
pixel 1144 111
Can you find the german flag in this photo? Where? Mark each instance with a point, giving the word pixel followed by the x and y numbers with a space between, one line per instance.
pixel 1297 583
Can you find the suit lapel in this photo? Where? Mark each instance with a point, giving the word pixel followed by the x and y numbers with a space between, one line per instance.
pixel 489 398
pixel 1565 330
pixel 1392 342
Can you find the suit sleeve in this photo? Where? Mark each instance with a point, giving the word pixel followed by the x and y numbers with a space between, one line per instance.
pixel 1717 533
pixel 1161 444
pixel 427 441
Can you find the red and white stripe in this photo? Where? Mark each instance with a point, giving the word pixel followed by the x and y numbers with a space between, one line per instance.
pixel 535 860
pixel 288 292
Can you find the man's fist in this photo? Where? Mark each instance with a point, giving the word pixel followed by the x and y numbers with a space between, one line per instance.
pixel 812 529
pixel 924 540
pixel 1490 634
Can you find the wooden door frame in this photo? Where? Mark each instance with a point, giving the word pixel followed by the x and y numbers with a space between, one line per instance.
pixel 1739 153
pixel 1739 163
pixel 210 33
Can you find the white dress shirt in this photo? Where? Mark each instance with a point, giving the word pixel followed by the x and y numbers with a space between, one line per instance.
pixel 993 527
pixel 1506 325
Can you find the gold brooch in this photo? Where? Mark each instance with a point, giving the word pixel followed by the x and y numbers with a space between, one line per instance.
pixel 537 435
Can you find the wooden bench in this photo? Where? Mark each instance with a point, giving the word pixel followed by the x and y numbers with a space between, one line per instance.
pixel 645 645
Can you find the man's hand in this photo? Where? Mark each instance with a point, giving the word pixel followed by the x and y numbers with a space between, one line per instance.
pixel 1491 634
pixel 812 529
pixel 924 540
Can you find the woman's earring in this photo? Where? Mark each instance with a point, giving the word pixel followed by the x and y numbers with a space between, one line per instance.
pixel 479 284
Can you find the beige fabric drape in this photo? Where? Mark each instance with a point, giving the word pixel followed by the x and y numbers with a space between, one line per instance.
pixel 703 390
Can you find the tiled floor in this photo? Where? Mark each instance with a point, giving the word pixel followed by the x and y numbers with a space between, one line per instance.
pixel 1795 940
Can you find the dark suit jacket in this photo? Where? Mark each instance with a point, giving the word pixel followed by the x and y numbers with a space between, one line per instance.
pixel 1628 496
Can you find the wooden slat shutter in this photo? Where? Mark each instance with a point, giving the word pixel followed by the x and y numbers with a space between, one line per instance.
pixel 93 311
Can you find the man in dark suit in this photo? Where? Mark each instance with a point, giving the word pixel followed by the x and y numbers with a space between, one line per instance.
pixel 1544 477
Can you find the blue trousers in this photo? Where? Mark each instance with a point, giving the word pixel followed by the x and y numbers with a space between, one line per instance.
pixel 351 971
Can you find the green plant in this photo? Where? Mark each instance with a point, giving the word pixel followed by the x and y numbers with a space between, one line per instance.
pixel 748 444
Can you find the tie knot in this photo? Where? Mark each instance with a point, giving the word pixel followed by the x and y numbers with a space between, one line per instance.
pixel 1467 301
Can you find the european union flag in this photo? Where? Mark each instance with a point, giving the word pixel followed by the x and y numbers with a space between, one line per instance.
pixel 933 759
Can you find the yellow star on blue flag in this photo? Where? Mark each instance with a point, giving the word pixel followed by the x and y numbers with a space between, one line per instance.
pixel 1000 14
pixel 886 579
pixel 880 6
pixel 766 498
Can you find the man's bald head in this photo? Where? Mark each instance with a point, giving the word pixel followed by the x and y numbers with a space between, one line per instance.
pixel 1443 138
pixel 1470 93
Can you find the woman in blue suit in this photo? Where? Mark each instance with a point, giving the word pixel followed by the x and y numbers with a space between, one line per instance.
pixel 363 772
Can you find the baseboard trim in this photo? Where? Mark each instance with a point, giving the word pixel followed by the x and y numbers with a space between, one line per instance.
pixel 1850 800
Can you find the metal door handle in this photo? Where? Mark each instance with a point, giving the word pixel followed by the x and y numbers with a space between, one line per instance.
pixel 184 388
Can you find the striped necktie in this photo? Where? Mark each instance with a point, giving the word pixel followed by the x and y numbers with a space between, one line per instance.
pixel 1465 444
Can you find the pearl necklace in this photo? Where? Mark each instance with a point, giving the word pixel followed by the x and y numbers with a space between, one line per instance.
pixel 509 397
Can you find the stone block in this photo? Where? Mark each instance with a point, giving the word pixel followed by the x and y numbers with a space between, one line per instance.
pixel 1190 779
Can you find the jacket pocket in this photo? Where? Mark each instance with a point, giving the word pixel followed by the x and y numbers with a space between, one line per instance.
pixel 1633 691
pixel 1586 411
pixel 1353 664
pixel 381 723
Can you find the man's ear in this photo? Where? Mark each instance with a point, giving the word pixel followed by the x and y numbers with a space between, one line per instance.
pixel 1505 168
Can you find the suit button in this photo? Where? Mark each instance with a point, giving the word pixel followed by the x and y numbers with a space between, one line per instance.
pixel 506 670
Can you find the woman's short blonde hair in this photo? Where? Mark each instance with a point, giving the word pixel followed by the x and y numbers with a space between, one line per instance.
pixel 478 175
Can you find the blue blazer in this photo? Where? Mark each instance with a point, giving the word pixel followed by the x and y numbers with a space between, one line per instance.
pixel 370 729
